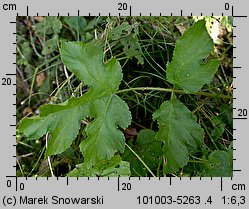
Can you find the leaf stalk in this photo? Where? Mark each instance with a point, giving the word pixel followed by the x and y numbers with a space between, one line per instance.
pixel 175 91
pixel 140 160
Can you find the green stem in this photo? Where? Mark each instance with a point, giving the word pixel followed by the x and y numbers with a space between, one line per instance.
pixel 62 85
pixel 38 160
pixel 173 90
pixel 207 131
pixel 197 161
pixel 32 85
pixel 140 160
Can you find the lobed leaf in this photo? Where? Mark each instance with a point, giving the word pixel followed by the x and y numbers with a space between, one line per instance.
pixel 100 102
pixel 113 167
pixel 61 121
pixel 179 132
pixel 86 61
pixel 104 138
pixel 188 70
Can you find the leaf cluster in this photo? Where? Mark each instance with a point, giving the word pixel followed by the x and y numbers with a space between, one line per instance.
pixel 96 119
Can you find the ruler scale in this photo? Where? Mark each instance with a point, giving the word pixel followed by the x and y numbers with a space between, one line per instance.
pixel 133 192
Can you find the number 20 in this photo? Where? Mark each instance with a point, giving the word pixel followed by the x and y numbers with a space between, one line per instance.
pixel 122 6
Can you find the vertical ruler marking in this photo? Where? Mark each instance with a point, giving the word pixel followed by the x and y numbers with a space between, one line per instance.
pixel 221 184
pixel 16 184
pixel 27 10
pixel 118 184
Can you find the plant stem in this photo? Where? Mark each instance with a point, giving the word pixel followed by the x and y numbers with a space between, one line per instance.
pixel 38 160
pixel 175 91
pixel 207 131
pixel 140 160
pixel 197 161
pixel 48 158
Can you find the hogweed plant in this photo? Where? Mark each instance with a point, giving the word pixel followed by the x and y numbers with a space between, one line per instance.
pixel 177 141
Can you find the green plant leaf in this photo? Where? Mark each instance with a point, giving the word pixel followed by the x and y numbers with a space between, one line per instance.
pixel 132 47
pixel 117 32
pixel 113 167
pixel 179 132
pixel 220 164
pixel 218 127
pixel 77 23
pixel 104 138
pixel 108 110
pixel 50 45
pixel 86 61
pixel 187 69
pixel 148 149
pixel 49 25
pixel 61 121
